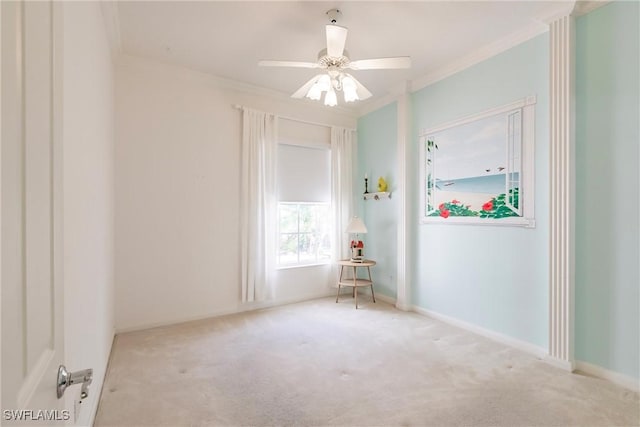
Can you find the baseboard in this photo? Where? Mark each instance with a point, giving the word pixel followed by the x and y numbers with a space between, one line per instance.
pixel 175 321
pixel 569 366
pixel 584 367
pixel 615 377
pixel 495 336
pixel 566 365
pixel 241 308
pixel 385 298
pixel 99 385
pixel 393 302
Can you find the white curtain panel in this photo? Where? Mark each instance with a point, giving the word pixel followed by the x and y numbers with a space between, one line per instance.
pixel 341 189
pixel 259 204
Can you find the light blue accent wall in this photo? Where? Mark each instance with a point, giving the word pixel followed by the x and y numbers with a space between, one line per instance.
pixel 497 277
pixel 607 181
pixel 494 277
pixel 377 156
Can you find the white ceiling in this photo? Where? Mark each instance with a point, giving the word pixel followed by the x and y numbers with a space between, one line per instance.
pixel 228 38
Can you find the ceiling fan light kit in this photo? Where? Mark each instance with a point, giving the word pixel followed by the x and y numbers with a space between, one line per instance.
pixel 330 98
pixel 335 59
pixel 328 84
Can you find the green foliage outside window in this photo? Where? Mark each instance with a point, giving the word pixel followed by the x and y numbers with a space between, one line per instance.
pixel 304 233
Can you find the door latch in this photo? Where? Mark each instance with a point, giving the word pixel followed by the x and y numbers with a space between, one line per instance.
pixel 66 378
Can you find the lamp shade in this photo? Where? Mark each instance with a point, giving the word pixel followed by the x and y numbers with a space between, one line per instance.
pixel 356 226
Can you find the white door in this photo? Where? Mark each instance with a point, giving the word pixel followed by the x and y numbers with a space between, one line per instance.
pixel 31 232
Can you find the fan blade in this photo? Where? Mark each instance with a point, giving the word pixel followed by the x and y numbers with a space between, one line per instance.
pixel 297 64
pixel 300 93
pixel 363 92
pixel 381 63
pixel 336 38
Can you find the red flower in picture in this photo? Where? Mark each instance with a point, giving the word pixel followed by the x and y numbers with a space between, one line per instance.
pixel 441 207
pixel 444 213
pixel 455 202
pixel 488 206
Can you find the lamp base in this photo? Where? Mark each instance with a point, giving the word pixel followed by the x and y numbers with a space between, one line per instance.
pixel 357 254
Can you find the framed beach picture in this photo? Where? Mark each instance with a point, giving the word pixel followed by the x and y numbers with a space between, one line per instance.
pixel 480 169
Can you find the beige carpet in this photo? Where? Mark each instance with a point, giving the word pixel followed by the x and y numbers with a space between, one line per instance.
pixel 320 363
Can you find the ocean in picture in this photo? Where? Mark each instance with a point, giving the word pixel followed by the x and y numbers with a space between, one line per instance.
pixel 489 184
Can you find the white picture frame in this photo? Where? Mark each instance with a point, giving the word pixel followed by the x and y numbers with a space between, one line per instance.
pixel 479 169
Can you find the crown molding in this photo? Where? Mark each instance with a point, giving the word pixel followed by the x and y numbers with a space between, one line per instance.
pixel 112 26
pixel 583 7
pixel 277 95
pixel 485 52
pixel 535 28
pixel 563 8
pixel 241 87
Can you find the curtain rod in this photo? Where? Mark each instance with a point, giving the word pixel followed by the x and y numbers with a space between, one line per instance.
pixel 293 119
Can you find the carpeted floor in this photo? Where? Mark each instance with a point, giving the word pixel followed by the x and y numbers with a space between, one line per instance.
pixel 320 363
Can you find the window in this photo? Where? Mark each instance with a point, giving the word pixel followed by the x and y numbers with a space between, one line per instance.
pixel 304 196
pixel 304 236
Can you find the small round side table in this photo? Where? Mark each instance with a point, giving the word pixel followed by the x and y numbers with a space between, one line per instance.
pixel 354 281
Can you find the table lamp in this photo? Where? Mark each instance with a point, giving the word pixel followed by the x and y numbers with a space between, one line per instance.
pixel 356 226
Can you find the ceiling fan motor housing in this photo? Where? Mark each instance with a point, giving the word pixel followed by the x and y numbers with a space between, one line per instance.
pixel 328 61
pixel 334 15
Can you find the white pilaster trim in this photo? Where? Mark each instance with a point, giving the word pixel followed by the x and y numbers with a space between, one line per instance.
pixel 403 300
pixel 562 192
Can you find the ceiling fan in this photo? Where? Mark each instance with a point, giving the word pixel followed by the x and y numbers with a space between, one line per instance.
pixel 335 60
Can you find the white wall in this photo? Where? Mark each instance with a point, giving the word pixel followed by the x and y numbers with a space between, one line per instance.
pixel 88 129
pixel 177 194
